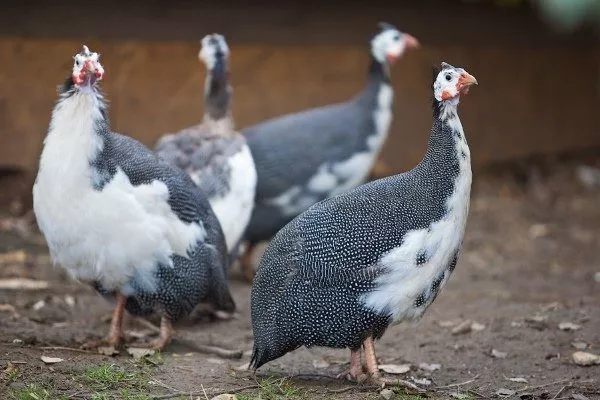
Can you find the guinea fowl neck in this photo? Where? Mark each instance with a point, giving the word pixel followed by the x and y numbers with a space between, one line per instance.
pixel 447 148
pixel 379 72
pixel 217 91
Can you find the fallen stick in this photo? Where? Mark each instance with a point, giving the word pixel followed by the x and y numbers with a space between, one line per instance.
pixel 203 393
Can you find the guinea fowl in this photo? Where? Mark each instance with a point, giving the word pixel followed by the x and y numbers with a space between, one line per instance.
pixel 339 274
pixel 332 148
pixel 117 216
pixel 213 153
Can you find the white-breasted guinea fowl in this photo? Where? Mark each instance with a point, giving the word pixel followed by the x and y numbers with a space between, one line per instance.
pixel 339 274
pixel 332 148
pixel 213 153
pixel 117 216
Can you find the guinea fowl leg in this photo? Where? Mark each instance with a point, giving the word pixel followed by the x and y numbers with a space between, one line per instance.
pixel 355 372
pixel 164 337
pixel 373 369
pixel 115 334
pixel 247 264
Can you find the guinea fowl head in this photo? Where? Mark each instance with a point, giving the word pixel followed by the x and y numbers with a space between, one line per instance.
pixel 389 44
pixel 450 82
pixel 87 69
pixel 214 47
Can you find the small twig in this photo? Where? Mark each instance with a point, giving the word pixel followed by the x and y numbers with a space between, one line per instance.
pixel 458 384
pixel 316 377
pixel 193 394
pixel 541 386
pixel 202 386
pixel 218 351
pixel 560 391
pixel 477 394
pixel 18 362
pixel 342 390
pixel 66 349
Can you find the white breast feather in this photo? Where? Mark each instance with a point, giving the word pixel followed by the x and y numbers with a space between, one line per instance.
pixel 405 281
pixel 354 170
pixel 107 235
pixel 235 208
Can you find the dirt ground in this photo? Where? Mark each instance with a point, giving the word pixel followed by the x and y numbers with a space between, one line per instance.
pixel 530 262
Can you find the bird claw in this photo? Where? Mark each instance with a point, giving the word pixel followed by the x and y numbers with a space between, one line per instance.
pixel 156 344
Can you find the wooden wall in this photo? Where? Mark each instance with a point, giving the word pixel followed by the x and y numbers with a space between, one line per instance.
pixel 528 101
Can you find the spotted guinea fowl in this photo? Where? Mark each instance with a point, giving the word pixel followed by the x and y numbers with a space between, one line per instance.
pixel 117 216
pixel 213 153
pixel 331 149
pixel 342 272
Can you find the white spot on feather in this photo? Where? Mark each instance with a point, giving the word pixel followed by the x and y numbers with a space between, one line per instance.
pixel 107 235
pixel 405 281
pixel 235 208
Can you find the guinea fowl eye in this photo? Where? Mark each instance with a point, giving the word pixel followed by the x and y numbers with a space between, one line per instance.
pixel 448 77
pixel 396 37
pixel 77 62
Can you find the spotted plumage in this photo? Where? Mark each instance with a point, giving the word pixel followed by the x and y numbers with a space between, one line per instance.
pixel 345 269
pixel 117 216
pixel 215 156
pixel 306 157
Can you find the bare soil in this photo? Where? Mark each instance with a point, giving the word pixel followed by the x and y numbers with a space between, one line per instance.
pixel 530 262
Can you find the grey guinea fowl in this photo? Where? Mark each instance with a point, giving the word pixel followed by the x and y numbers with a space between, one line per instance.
pixel 342 272
pixel 117 216
pixel 329 149
pixel 216 156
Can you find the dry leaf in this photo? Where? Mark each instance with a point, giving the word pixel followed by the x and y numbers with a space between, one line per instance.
pixel 243 367
pixel 446 324
pixel 504 392
pixel 459 396
pixel 108 350
pixel 8 308
pixel 538 230
pixel 225 396
pixel 597 277
pixel 422 381
pixel 10 368
pixel 51 360
pixel 38 305
pixel 579 345
pixel 498 354
pixel 519 380
pixel 429 367
pixel 319 364
pixel 138 353
pixel 568 326
pixel 583 358
pixel 13 257
pixel 578 396
pixel 463 327
pixel 476 327
pixel 70 300
pixel 23 284
pixel 387 394
pixel 395 368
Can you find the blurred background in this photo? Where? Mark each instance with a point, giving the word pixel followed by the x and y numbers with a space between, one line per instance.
pixel 538 64
pixel 523 300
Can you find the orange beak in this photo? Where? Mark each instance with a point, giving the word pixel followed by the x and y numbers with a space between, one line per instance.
pixel 411 42
pixel 465 81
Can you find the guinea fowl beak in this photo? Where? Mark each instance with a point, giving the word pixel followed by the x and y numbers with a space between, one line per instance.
pixel 411 42
pixel 465 81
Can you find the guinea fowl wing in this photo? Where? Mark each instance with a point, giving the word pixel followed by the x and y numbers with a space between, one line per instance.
pixel 303 141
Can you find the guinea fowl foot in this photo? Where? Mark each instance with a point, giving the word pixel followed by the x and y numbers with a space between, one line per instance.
pixel 355 373
pixel 164 337
pixel 115 334
pixel 373 370
pixel 247 265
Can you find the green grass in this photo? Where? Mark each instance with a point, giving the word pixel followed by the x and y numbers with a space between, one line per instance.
pixel 104 379
pixel 32 392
